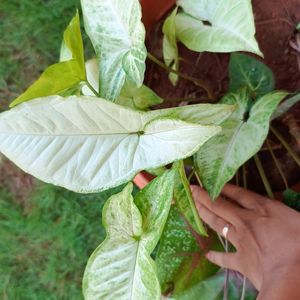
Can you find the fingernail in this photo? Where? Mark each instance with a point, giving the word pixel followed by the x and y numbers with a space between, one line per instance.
pixel 208 255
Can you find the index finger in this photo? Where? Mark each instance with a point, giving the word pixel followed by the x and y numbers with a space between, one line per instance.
pixel 243 197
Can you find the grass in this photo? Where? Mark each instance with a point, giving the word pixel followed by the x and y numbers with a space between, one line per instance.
pixel 45 243
pixel 45 240
pixel 31 35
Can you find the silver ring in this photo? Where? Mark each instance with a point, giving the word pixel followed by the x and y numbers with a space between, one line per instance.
pixel 225 230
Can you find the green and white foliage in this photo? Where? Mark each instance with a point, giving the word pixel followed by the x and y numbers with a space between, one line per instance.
pixel 62 76
pixel 217 26
pixel 137 98
pixel 180 259
pixel 184 200
pixel 121 267
pixel 117 34
pixel 285 106
pixel 242 136
pixel 170 49
pixel 247 71
pixel 87 144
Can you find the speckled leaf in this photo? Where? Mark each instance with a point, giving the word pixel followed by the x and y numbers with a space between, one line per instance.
pixel 180 259
pixel 213 289
pixel 62 76
pixel 121 267
pixel 247 71
pixel 184 200
pixel 87 144
pixel 285 106
pixel 217 25
pixel 117 34
pixel 138 98
pixel 131 96
pixel 242 136
pixel 170 49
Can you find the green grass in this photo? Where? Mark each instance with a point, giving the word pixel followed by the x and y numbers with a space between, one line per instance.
pixel 45 243
pixel 31 35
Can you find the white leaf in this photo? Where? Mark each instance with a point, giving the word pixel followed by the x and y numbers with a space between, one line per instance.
pixel 231 26
pixel 87 144
pixel 121 267
pixel 117 34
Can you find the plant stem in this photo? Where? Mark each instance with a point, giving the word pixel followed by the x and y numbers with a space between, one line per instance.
pixel 91 88
pixel 196 81
pixel 263 176
pixel 286 145
pixel 244 288
pixel 187 188
pixel 277 165
pixel 225 295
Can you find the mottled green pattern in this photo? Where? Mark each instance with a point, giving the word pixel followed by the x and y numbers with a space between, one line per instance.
pixel 170 49
pixel 231 26
pixel 117 34
pixel 121 267
pixel 242 136
pixel 247 71
pixel 180 259
pixel 64 75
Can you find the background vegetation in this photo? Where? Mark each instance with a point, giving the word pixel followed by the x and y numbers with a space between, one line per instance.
pixel 46 238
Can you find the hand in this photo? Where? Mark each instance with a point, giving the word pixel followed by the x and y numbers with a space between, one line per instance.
pixel 265 233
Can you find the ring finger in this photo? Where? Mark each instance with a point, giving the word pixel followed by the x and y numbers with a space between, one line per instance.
pixel 217 223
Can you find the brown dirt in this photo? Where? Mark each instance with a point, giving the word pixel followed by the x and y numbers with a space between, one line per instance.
pixel 275 23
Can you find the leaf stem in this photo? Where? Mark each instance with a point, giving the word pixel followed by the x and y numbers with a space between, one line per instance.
pixel 91 88
pixel 263 176
pixel 196 81
pixel 244 288
pixel 187 188
pixel 286 145
pixel 277 165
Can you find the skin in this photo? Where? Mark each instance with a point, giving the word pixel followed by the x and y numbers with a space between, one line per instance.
pixel 265 234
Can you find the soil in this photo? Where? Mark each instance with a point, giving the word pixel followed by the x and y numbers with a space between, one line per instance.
pixel 275 26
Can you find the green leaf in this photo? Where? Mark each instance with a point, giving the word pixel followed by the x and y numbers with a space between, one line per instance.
pixel 285 106
pixel 180 259
pixel 87 144
pixel 213 289
pixel 242 136
pixel 170 49
pixel 64 75
pixel 117 34
pixel 138 98
pixel 292 199
pixel 217 26
pixel 121 267
pixel 184 200
pixel 247 71
pixel 72 41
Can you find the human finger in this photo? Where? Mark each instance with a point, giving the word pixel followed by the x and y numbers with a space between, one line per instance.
pixel 221 207
pixel 243 197
pixel 218 224
pixel 224 260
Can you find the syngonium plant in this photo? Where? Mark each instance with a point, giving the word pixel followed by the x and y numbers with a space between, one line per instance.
pixel 89 126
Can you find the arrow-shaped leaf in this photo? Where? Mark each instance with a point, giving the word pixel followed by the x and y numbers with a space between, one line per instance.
pixel 242 136
pixel 87 144
pixel 117 34
pixel 217 25
pixel 61 76
pixel 121 267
